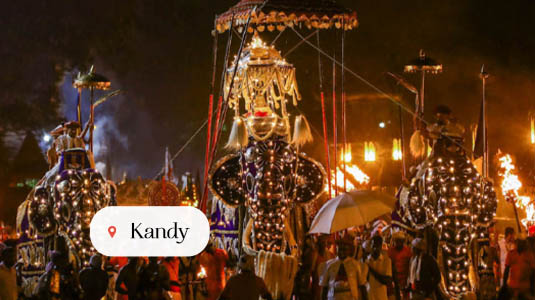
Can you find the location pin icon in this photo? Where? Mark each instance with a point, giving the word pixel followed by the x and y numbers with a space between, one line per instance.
pixel 112 230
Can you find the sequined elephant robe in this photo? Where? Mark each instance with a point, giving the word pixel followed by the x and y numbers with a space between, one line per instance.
pixel 270 178
pixel 56 216
pixel 454 205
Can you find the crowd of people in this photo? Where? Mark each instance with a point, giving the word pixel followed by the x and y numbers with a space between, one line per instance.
pixel 369 269
pixel 346 267
pixel 405 268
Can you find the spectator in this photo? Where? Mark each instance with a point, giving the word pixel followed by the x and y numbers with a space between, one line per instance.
pixel 506 244
pixel 59 282
pixel 153 280
pixel 113 265
pixel 189 268
pixel 518 272
pixel 129 277
pixel 8 277
pixel 400 254
pixel 172 266
pixel 245 285
pixel 94 280
pixel 303 288
pixel 342 277
pixel 214 261
pixel 424 275
pixel 379 269
pixel 322 255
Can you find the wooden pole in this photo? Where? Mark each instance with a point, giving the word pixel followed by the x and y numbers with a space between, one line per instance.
pixel 335 132
pixel 79 107
pixel 92 119
pixel 484 75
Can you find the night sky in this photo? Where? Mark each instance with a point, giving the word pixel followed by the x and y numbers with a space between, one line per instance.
pixel 160 54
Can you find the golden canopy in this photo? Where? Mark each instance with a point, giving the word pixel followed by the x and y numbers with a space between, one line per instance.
pixel 278 14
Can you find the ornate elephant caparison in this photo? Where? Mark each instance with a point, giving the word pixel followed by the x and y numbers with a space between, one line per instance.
pixel 449 198
pixel 57 214
pixel 267 173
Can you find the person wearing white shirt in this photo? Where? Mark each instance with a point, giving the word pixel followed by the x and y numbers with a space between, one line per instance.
pixel 342 277
pixel 379 271
pixel 506 244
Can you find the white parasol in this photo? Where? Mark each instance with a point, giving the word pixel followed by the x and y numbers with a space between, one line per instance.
pixel 351 209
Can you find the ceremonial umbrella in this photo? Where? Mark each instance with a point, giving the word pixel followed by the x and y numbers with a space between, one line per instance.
pixel 278 14
pixel 351 209
pixel 423 64
pixel 90 81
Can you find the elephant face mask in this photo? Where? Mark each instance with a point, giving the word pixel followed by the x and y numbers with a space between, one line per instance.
pixel 270 178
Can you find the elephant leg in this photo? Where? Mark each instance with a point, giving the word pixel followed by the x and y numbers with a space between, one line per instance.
pixel 247 245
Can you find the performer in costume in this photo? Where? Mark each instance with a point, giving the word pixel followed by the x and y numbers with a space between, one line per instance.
pixel 51 153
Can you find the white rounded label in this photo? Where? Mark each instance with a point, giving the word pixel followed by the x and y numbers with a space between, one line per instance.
pixel 149 231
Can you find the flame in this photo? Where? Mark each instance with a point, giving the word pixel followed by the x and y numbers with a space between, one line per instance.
pixel 396 150
pixel 511 185
pixel 347 156
pixel 369 151
pixel 352 169
pixel 202 273
pixel 533 130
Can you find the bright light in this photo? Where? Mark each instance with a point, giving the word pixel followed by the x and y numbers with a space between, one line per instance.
pixel 357 174
pixel 396 150
pixel 47 137
pixel 202 273
pixel 511 185
pixel 532 130
pixel 382 124
pixel 369 151
pixel 347 156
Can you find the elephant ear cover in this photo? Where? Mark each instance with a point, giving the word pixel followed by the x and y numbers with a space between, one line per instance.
pixel 310 183
pixel 225 181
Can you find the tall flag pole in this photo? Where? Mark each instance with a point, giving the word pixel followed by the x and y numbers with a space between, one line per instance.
pixel 481 144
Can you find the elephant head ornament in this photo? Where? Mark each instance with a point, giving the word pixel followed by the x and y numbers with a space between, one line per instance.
pixel 267 173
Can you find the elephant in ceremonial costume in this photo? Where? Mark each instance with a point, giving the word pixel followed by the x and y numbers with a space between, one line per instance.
pixel 57 214
pixel 454 205
pixel 267 174
pixel 270 178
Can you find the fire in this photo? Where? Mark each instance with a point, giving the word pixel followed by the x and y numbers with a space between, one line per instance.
pixel 511 185
pixel 369 151
pixel 533 130
pixel 352 169
pixel 202 273
pixel 396 150
pixel 347 156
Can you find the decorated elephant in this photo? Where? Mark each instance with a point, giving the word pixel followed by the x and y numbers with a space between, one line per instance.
pixel 267 173
pixel 454 205
pixel 57 214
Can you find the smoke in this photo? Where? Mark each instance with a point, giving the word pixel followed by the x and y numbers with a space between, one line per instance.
pixel 108 139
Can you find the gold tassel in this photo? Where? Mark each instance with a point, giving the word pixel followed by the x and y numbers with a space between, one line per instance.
pixel 302 134
pixel 417 144
pixel 238 135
